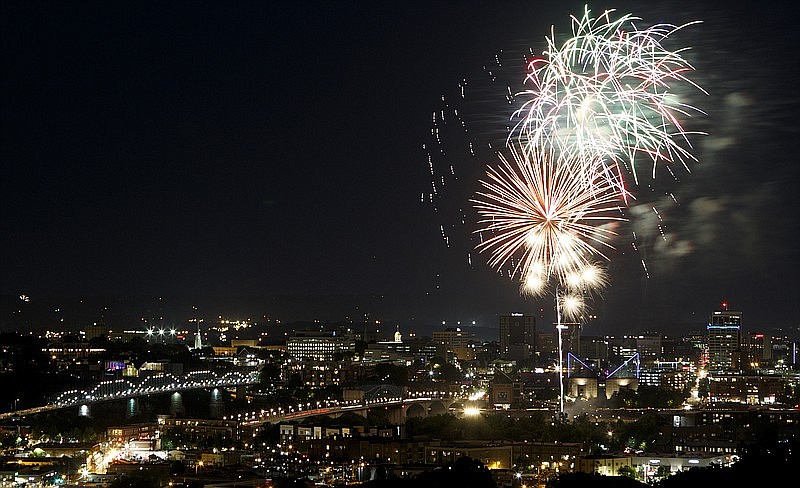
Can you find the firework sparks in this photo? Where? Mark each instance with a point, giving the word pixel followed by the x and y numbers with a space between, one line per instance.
pixel 546 221
pixel 607 94
pixel 597 101
pixel 572 305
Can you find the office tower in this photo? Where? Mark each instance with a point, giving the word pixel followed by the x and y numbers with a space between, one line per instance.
pixel 724 340
pixel 759 349
pixel 593 349
pixel 461 343
pixel 517 336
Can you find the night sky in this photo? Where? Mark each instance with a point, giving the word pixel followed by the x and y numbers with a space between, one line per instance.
pixel 272 158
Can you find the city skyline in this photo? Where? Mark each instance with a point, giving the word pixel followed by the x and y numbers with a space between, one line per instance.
pixel 271 159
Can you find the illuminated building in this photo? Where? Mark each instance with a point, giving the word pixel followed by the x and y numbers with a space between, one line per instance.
pixel 517 336
pixel 198 338
pixel 504 391
pixel 724 340
pixel 458 341
pixel 759 350
pixel 319 346
pixel 96 330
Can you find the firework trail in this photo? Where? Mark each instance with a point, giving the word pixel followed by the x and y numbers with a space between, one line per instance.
pixel 546 221
pixel 607 95
pixel 598 101
pixel 593 107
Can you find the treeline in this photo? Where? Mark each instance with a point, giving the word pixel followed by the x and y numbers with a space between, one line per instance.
pixel 540 427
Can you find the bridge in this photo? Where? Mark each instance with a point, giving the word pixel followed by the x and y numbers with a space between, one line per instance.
pixel 158 383
pixel 402 405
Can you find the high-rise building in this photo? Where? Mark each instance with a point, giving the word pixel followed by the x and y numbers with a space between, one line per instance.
pixel 571 335
pixel 759 349
pixel 517 336
pixel 594 349
pixel 460 342
pixel 648 345
pixel 724 340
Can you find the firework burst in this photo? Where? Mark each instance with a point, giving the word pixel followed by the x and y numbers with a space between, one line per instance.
pixel 545 222
pixel 597 101
pixel 607 94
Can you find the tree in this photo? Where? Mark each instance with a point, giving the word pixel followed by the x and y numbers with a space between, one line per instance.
pixel 450 373
pixel 658 397
pixel 703 387
pixel 295 381
pixel 463 472
pixel 167 443
pixel 627 471
pixel 440 426
pixel 594 480
pixel 177 468
pixel 641 433
pixel 391 374
pixel 378 416
pixel 137 479
pixel 269 374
